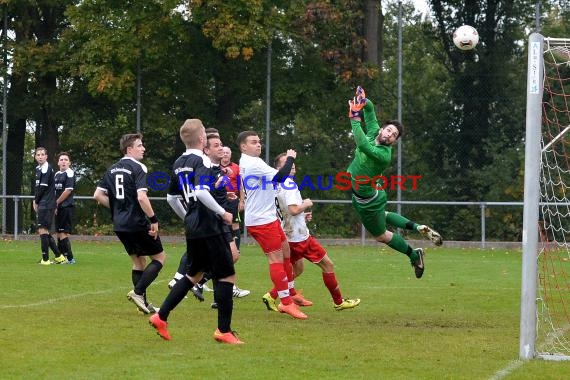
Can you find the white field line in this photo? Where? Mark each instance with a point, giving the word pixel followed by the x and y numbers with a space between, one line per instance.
pixel 519 363
pixel 73 296
pixel 502 373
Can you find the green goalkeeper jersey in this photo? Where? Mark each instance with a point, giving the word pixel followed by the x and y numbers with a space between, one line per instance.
pixel 370 159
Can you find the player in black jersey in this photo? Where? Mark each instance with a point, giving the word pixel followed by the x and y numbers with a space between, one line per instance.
pixel 207 249
pixel 44 206
pixel 229 201
pixel 123 190
pixel 64 186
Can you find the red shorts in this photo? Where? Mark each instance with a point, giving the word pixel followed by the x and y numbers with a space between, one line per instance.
pixel 269 236
pixel 309 249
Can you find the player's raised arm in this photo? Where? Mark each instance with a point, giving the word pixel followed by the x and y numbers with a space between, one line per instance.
pixel 284 172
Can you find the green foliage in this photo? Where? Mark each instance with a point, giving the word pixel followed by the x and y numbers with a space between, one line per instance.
pixel 463 112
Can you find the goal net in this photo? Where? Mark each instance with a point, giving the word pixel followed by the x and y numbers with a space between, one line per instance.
pixel 553 265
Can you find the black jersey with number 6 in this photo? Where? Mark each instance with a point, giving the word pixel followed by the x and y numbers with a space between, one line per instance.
pixel 122 182
pixel 189 173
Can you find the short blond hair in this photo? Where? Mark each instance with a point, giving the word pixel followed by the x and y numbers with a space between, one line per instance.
pixel 191 131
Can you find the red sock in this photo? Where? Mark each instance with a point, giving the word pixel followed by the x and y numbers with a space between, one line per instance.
pixel 280 282
pixel 332 285
pixel 273 293
pixel 290 275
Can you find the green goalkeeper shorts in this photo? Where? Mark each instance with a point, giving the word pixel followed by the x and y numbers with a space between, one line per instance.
pixel 371 212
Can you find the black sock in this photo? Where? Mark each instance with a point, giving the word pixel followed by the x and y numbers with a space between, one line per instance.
pixel 148 276
pixel 66 244
pixel 410 225
pixel 183 263
pixel 176 295
pixel 44 243
pixel 53 246
pixel 136 276
pixel 206 278
pixel 224 298
pixel 237 237
pixel 61 247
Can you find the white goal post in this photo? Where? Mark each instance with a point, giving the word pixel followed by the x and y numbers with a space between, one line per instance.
pixel 545 286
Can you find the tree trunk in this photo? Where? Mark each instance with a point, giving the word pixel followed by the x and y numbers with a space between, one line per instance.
pixel 372 21
pixel 15 148
pixel 47 122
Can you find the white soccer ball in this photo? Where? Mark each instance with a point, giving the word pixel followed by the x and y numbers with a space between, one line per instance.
pixel 465 37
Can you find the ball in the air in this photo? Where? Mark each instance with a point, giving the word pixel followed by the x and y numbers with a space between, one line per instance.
pixel 465 37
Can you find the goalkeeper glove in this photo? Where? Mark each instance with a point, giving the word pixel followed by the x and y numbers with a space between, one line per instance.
pixel 356 104
pixel 360 94
pixel 355 109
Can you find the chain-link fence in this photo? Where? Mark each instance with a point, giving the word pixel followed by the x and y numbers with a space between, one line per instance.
pixel 333 220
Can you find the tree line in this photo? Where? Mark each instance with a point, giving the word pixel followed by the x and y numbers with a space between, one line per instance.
pixel 83 72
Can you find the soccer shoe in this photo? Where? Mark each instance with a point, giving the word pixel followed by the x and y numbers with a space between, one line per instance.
pixel 214 305
pixel 299 300
pixel 160 326
pixel 269 302
pixel 293 310
pixel 138 301
pixel 60 260
pixel 417 260
pixel 228 338
pixel 347 303
pixel 239 293
pixel 206 288
pixel 72 261
pixel 431 234
pixel 198 292
pixel 152 308
pixel 45 262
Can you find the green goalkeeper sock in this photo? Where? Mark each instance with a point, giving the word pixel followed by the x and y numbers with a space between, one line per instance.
pixel 400 221
pixel 399 244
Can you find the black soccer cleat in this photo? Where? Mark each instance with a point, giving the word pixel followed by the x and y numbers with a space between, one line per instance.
pixel 417 261
pixel 198 292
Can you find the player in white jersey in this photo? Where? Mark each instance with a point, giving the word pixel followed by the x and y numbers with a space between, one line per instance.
pixel 258 180
pixel 293 211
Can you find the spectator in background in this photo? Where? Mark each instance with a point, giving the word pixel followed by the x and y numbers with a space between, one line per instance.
pixel 64 186
pixel 44 205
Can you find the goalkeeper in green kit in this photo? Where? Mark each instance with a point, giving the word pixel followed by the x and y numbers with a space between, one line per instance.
pixel 372 156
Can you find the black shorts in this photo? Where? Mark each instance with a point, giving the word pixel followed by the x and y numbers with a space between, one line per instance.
pixel 140 243
pixel 232 207
pixel 227 232
pixel 64 219
pixel 211 254
pixel 44 218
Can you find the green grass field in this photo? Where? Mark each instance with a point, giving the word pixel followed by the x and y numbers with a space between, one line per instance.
pixel 461 321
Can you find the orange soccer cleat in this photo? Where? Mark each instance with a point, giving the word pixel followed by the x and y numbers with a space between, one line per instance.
pixel 228 338
pixel 300 300
pixel 293 310
pixel 160 326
